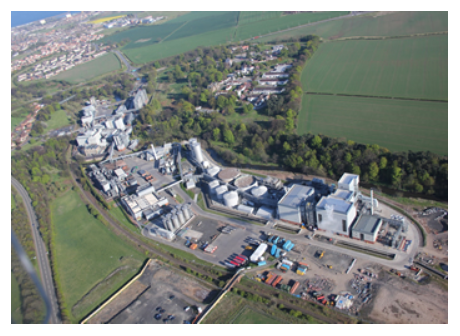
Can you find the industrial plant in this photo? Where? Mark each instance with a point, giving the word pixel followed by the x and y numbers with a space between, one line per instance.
pixel 103 131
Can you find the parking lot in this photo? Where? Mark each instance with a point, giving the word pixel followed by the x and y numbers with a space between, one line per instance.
pixel 167 290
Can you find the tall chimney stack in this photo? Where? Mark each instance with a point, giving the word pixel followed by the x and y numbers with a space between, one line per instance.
pixel 372 202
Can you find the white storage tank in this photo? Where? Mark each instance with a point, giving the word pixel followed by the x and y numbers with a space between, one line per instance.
pixel 181 217
pixel 213 185
pixel 259 191
pixel 205 164
pixel 220 191
pixel 196 150
pixel 186 212
pixel 169 225
pixel 231 199
pixel 175 222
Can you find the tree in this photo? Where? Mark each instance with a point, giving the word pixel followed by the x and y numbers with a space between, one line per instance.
pixel 228 137
pixel 222 102
pixel 373 171
pixel 316 141
pixel 203 98
pixel 286 146
pixel 383 163
pixel 216 134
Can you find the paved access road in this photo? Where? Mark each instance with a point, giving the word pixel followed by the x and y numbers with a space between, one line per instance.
pixel 42 258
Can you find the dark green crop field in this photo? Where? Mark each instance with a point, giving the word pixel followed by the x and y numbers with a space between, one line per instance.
pixel 287 21
pixel 398 125
pixel 186 32
pixel 393 24
pixel 406 67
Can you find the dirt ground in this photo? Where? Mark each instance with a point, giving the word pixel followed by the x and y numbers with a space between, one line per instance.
pixel 400 301
pixel 137 303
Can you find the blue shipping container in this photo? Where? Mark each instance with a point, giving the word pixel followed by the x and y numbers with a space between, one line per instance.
pixel 277 255
pixel 273 251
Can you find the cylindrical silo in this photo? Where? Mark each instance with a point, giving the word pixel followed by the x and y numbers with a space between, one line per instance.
pixel 186 212
pixel 169 225
pixel 259 191
pixel 181 218
pixel 196 148
pixel 175 222
pixel 231 199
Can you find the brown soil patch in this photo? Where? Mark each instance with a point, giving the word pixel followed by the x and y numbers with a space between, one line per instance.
pixel 399 301
pixel 142 40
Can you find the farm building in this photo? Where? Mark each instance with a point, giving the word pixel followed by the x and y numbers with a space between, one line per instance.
pixel 366 228
pixel 291 207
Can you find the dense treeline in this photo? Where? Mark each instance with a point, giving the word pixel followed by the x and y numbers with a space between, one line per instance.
pixel 32 306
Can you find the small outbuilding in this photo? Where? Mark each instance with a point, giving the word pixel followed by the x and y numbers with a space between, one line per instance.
pixel 367 228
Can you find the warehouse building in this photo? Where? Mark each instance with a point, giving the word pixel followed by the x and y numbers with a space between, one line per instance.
pixel 367 228
pixel 335 215
pixel 143 203
pixel 292 207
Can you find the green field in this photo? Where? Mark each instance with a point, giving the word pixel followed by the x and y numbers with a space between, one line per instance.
pixel 89 70
pixel 250 316
pixel 407 67
pixel 287 21
pixel 86 254
pixel 394 24
pixel 395 124
pixel 168 48
pixel 58 119
pixel 190 24
pixel 250 17
pixel 16 314
pixel 187 32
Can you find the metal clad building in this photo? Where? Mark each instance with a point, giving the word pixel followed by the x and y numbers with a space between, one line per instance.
pixel 335 215
pixel 366 228
pixel 292 204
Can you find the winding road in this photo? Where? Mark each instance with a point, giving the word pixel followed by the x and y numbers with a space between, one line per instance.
pixel 41 253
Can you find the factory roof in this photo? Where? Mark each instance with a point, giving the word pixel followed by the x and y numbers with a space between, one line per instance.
pixel 367 224
pixel 342 194
pixel 347 178
pixel 296 195
pixel 337 204
pixel 265 212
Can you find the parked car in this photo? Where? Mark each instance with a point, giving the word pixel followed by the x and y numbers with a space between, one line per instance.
pixel 187 308
pixel 158 317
